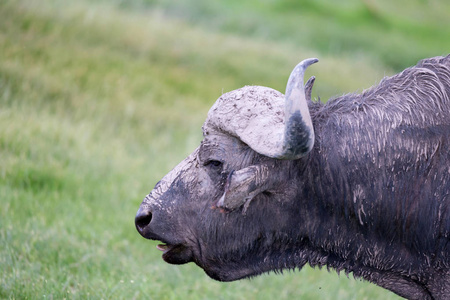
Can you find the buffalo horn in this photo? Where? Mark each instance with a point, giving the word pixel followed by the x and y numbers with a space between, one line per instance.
pixel 271 124
pixel 299 132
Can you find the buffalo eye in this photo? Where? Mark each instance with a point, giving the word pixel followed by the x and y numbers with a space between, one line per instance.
pixel 214 167
pixel 215 164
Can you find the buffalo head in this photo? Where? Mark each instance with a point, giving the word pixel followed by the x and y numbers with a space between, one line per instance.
pixel 255 143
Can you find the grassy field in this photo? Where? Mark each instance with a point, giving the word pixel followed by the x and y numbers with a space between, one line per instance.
pixel 99 99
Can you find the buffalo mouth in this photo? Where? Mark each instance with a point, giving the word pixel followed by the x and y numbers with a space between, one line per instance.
pixel 175 254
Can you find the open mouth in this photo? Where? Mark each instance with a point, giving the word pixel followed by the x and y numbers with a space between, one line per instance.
pixel 164 248
pixel 175 254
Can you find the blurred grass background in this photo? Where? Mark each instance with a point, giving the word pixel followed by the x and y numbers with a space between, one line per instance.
pixel 100 99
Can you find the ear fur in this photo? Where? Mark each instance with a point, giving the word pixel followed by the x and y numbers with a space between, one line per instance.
pixel 243 185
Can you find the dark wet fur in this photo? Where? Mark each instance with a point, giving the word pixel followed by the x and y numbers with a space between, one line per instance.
pixel 397 233
pixel 372 198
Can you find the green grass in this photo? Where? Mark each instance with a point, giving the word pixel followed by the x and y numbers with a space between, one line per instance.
pixel 98 100
pixel 396 33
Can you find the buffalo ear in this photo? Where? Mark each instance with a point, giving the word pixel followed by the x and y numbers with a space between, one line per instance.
pixel 243 185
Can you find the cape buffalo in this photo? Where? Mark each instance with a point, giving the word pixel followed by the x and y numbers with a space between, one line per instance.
pixel 359 184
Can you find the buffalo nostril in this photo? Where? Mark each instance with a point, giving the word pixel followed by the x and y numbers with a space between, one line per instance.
pixel 143 218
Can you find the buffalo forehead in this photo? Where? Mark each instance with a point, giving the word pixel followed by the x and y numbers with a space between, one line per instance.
pixel 155 199
pixel 252 113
